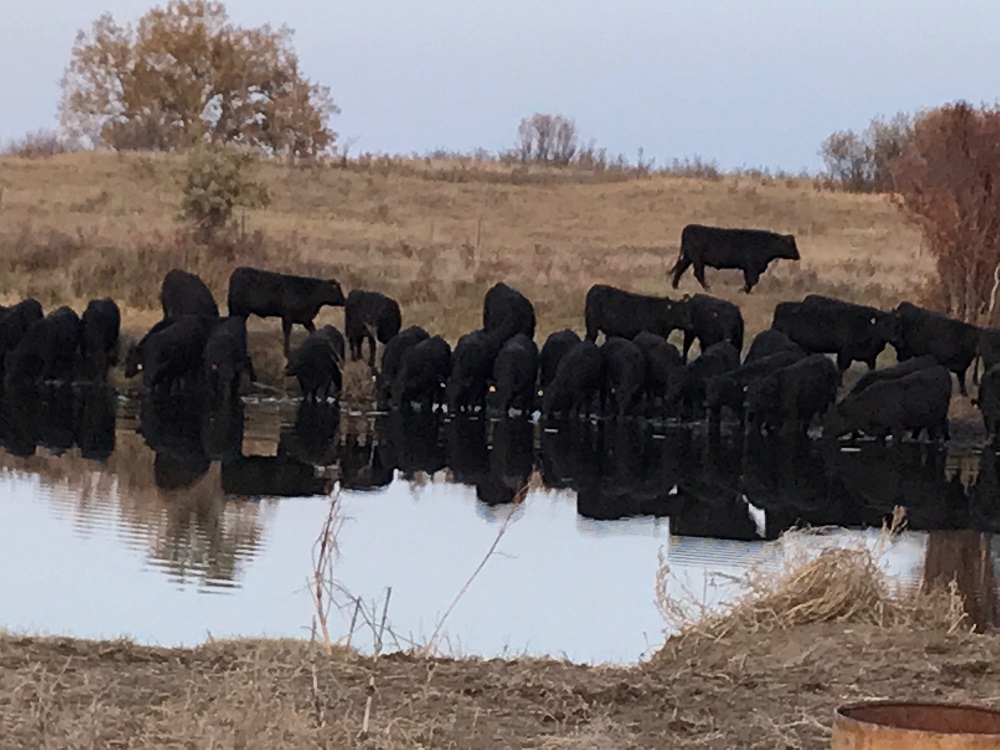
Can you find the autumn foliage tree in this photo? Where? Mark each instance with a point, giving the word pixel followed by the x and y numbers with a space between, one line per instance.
pixel 185 74
pixel 948 184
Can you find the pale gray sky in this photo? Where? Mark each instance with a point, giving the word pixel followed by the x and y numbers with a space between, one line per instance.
pixel 755 83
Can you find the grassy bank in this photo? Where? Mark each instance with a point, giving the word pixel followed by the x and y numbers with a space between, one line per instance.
pixel 751 691
pixel 435 235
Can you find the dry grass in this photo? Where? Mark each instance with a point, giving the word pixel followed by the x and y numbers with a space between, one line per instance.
pixel 435 234
pixel 840 585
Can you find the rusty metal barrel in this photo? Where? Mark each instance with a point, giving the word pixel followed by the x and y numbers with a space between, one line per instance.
pixel 885 725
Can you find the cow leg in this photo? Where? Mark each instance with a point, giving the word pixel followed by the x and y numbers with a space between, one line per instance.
pixel 683 264
pixel 961 382
pixel 688 340
pixel 371 350
pixel 699 273
pixel 286 329
pixel 843 361
pixel 750 278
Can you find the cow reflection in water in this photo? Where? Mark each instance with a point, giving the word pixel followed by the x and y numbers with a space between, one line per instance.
pixel 312 437
pixel 173 429
pixel 511 460
pixel 964 560
pixel 879 477
pixel 412 441
pixel 633 472
pixel 58 419
pixel 364 462
pixel 466 449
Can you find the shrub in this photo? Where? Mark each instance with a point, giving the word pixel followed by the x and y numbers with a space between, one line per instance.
pixel 215 183
pixel 863 163
pixel 947 181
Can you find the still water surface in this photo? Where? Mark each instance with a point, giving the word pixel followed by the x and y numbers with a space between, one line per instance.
pixel 174 545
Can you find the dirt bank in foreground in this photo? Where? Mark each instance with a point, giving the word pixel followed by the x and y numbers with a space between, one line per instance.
pixel 759 691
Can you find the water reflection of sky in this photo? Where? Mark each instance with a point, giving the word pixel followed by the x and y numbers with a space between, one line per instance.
pixel 558 583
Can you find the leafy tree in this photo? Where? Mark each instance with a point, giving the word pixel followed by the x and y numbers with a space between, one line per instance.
pixel 184 74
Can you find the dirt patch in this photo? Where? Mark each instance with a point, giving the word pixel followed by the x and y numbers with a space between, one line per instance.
pixel 749 690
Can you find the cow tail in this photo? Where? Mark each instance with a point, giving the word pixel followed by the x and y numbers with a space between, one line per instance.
pixel 680 256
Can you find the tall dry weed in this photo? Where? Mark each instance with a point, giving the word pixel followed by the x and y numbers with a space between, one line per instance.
pixel 840 584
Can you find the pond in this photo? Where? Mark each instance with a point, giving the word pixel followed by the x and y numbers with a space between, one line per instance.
pixel 174 523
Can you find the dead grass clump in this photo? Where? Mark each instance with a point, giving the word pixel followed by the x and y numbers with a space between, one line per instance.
pixel 358 388
pixel 844 584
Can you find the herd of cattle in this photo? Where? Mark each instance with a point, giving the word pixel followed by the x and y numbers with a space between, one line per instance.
pixel 785 381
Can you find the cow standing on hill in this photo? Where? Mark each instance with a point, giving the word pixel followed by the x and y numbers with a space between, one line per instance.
pixel 184 293
pixel 617 312
pixel 294 299
pixel 369 316
pixel 750 250
pixel 506 313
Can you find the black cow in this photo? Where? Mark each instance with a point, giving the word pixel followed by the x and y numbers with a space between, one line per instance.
pixel 768 342
pixel 184 293
pixel 47 351
pixel 988 401
pixel 952 342
pixel 134 355
pixel 687 388
pixel 294 299
pixel 750 250
pixel 663 360
pixel 471 370
pixel 729 389
pixel 515 372
pixel 713 320
pixel 891 373
pixel 336 339
pixel 624 374
pixel 825 325
pixel 792 396
pixel 392 359
pixel 578 380
pixel 553 350
pixel 914 402
pixel 175 353
pixel 101 323
pixel 226 357
pixel 14 323
pixel 369 316
pixel 422 374
pixel 316 365
pixel 617 312
pixel 507 312
pixel 988 350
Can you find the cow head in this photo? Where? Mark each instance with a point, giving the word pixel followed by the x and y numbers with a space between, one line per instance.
pixel 133 361
pixel 789 250
pixel 332 293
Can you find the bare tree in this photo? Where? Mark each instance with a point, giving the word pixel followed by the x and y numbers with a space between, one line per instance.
pixel 547 138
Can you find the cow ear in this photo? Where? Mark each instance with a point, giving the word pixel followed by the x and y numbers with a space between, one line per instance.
pixel 790 237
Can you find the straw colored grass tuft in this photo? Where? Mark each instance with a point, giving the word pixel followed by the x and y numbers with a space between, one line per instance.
pixel 843 584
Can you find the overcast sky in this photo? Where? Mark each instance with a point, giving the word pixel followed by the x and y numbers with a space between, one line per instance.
pixel 755 83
